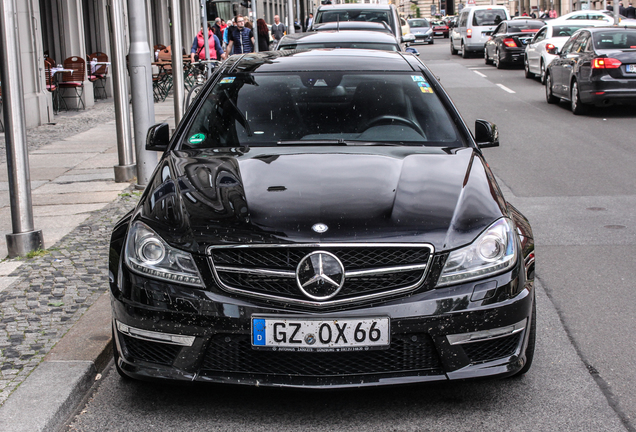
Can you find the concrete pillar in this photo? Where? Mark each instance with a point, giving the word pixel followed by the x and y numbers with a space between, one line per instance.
pixel 74 45
pixel 104 42
pixel 161 22
pixel 37 100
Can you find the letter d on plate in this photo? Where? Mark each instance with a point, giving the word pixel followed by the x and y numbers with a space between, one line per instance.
pixel 258 332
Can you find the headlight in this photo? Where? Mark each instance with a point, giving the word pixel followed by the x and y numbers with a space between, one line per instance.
pixel 494 251
pixel 148 254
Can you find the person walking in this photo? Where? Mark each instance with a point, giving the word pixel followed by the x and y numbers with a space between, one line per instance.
pixel 622 9
pixel 630 11
pixel 226 33
pixel 278 29
pixel 198 47
pixel 263 35
pixel 240 39
pixel 216 28
pixel 309 21
pixel 553 13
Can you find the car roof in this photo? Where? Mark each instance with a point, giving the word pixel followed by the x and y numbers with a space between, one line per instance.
pixel 340 36
pixel 353 25
pixel 341 59
pixel 527 21
pixel 355 6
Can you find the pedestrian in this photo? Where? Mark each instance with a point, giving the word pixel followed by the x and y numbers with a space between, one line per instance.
pixel 263 35
pixel 610 7
pixel 278 29
pixel 621 9
pixel 631 12
pixel 241 39
pixel 216 28
pixel 198 47
pixel 524 13
pixel 248 24
pixel 553 13
pixel 309 21
pixel 226 33
pixel 544 14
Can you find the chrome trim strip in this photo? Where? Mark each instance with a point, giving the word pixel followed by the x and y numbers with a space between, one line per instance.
pixel 384 270
pixel 152 336
pixel 483 335
pixel 325 245
pixel 260 272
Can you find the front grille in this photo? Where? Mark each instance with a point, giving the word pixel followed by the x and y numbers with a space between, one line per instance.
pixel 249 269
pixel 407 353
pixel 492 349
pixel 153 352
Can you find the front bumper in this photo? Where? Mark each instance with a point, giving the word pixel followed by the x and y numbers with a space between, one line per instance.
pixel 420 349
pixel 423 38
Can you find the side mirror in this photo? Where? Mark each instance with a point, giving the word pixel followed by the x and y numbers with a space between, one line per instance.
pixel 158 137
pixel 407 38
pixel 552 50
pixel 486 134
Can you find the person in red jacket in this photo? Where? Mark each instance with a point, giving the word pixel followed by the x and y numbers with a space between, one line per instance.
pixel 198 47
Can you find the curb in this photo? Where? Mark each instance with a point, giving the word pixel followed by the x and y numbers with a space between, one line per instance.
pixel 52 393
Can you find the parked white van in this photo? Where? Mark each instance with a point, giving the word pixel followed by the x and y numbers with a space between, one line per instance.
pixel 474 27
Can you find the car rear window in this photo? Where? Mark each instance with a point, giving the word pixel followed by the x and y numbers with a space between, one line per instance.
pixel 615 39
pixel 560 31
pixel 359 45
pixel 270 109
pixel 486 17
pixel 524 28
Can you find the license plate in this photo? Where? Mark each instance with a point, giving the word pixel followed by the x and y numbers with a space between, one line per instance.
pixel 438 33
pixel 631 68
pixel 306 334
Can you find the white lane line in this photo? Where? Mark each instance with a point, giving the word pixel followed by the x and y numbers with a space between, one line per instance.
pixel 476 68
pixel 504 88
pixel 480 74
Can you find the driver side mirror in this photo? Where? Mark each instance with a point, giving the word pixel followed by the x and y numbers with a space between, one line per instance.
pixel 158 137
pixel 486 134
pixel 408 38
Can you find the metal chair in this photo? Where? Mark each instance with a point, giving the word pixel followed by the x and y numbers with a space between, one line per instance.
pixel 98 74
pixel 74 80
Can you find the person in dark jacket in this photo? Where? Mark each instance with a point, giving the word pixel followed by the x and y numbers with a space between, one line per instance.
pixel 216 28
pixel 630 12
pixel 263 35
pixel 241 39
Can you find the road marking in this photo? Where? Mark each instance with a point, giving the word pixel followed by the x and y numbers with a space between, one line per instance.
pixel 476 68
pixel 480 74
pixel 503 87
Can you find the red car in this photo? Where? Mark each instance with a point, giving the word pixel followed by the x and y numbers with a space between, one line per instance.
pixel 440 28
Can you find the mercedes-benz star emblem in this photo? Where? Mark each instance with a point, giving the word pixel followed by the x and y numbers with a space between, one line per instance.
pixel 320 275
pixel 320 228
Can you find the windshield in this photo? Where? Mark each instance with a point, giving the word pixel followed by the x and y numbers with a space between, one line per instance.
pixel 488 17
pixel 560 31
pixel 360 45
pixel 321 107
pixel 615 39
pixel 418 23
pixel 376 16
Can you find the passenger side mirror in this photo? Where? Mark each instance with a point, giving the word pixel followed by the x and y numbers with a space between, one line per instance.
pixel 158 137
pixel 407 38
pixel 486 134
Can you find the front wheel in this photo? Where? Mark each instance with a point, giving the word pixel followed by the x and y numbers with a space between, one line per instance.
pixel 452 48
pixel 526 68
pixel 497 60
pixel 549 96
pixel 542 72
pixel 576 105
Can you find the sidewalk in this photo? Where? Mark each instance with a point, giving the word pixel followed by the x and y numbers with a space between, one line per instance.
pixel 75 203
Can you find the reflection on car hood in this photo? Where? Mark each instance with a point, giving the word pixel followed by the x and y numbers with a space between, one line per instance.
pixel 275 195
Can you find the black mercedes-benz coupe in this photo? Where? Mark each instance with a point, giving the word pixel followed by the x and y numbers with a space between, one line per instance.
pixel 322 219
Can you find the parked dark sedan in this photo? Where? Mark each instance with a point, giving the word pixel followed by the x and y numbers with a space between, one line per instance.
pixel 596 66
pixel 320 219
pixel 508 41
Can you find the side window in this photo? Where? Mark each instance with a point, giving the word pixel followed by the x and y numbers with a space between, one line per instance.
pixel 579 44
pixel 568 45
pixel 463 19
pixel 584 42
pixel 540 36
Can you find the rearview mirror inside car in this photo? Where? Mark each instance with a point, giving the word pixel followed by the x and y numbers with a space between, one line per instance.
pixel 486 134
pixel 158 137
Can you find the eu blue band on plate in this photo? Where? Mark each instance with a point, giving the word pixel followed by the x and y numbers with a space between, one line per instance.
pixel 258 332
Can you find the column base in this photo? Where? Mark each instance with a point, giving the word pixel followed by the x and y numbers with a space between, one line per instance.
pixel 22 243
pixel 125 173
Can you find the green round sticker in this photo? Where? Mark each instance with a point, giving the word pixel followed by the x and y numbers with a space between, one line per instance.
pixel 197 138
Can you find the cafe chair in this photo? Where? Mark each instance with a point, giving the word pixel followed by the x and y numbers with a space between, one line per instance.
pixel 74 80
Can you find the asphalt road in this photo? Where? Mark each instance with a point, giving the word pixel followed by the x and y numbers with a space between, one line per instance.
pixel 574 179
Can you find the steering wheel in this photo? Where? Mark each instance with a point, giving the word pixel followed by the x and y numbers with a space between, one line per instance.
pixel 393 119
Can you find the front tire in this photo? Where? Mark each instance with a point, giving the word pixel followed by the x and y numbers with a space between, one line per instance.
pixel 486 59
pixel 526 68
pixel 497 60
pixel 452 48
pixel 576 105
pixel 549 96
pixel 431 42
pixel 542 72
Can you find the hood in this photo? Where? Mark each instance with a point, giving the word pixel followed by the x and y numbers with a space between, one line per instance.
pixel 444 197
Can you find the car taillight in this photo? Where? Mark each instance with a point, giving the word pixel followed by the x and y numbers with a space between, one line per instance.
pixel 469 33
pixel 549 46
pixel 510 43
pixel 606 63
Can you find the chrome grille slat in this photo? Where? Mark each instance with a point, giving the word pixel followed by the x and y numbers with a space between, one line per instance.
pixel 371 271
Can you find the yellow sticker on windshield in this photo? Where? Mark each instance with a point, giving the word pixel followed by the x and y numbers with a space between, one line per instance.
pixel 425 87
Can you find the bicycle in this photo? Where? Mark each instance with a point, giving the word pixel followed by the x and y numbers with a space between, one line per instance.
pixel 199 77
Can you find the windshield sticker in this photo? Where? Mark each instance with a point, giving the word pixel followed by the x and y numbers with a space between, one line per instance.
pixel 425 87
pixel 197 138
pixel 418 78
pixel 227 80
